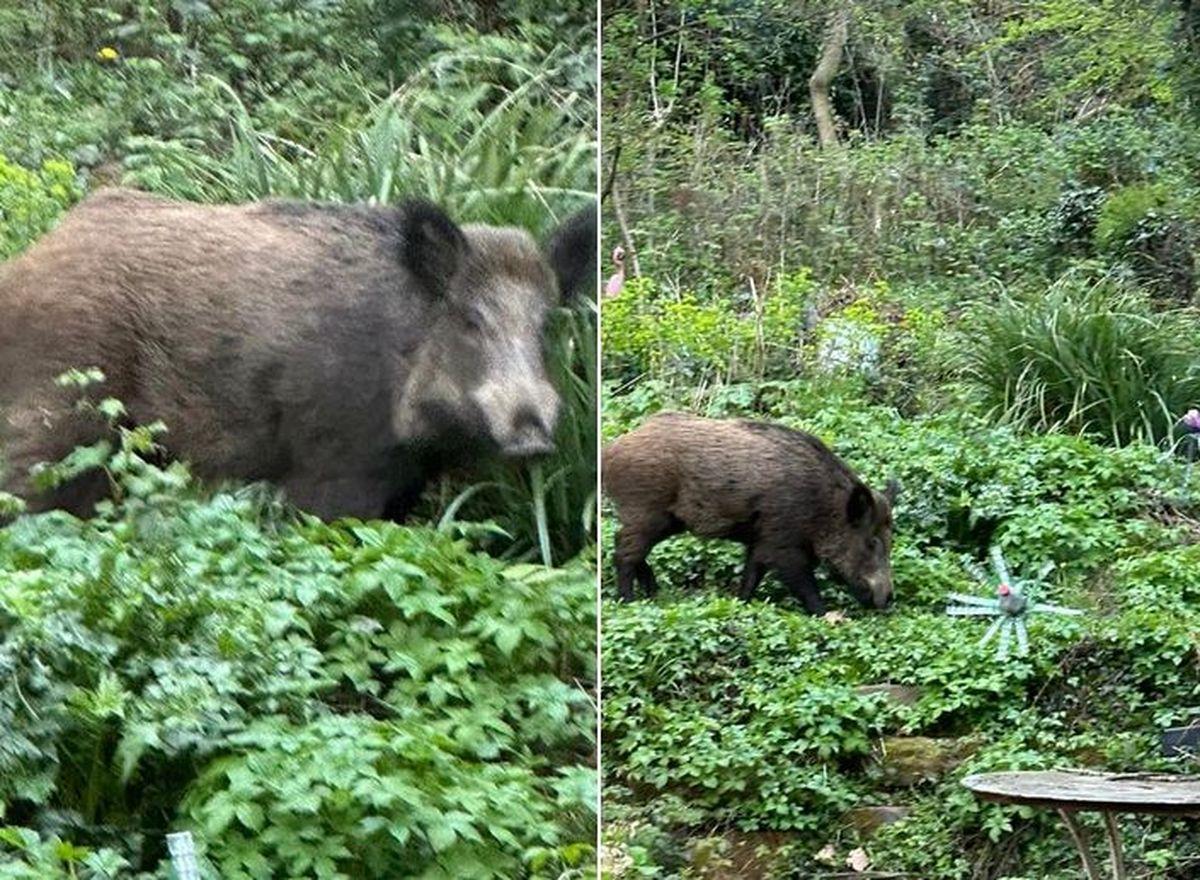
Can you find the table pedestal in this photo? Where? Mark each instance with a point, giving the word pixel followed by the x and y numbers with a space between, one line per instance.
pixel 1116 856
pixel 1070 792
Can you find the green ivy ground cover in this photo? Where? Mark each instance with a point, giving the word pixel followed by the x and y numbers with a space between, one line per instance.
pixel 730 725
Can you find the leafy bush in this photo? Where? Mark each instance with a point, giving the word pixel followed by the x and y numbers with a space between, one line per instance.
pixel 31 201
pixel 718 713
pixel 296 693
pixel 1123 210
pixel 1088 357
pixel 702 703
pixel 493 129
pixel 26 856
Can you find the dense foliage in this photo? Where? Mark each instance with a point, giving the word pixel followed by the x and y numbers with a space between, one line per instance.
pixel 337 701
pixel 984 287
pixel 356 700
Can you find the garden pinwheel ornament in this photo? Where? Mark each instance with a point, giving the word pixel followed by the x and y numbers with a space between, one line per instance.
pixel 1012 604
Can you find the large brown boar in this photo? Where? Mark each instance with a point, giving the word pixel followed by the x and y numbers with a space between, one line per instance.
pixel 781 492
pixel 345 353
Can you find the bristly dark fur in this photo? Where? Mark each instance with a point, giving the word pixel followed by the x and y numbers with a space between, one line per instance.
pixel 572 253
pixel 783 434
pixel 318 346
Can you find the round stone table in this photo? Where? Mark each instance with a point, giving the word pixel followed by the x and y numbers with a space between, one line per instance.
pixel 1074 791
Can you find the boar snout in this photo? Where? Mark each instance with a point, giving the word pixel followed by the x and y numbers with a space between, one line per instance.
pixel 530 435
pixel 880 592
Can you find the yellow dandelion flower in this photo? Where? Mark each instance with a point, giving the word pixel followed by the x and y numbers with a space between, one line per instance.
pixel 108 53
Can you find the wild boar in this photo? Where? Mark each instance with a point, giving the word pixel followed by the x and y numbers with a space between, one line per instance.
pixel 781 492
pixel 345 353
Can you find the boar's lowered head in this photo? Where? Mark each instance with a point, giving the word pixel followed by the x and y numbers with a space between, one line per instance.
pixel 861 555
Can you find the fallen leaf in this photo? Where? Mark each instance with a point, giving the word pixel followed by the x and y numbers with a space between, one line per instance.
pixel 827 855
pixel 858 860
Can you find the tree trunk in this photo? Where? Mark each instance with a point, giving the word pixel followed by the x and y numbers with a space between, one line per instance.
pixel 827 67
pixel 631 257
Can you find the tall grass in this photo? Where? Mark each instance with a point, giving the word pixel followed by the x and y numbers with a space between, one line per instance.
pixel 495 131
pixel 1087 357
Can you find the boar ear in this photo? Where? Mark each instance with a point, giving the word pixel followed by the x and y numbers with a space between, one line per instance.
pixel 571 252
pixel 892 492
pixel 860 505
pixel 434 246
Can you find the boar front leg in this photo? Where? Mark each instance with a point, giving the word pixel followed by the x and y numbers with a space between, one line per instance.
pixel 797 572
pixel 333 498
pixel 645 575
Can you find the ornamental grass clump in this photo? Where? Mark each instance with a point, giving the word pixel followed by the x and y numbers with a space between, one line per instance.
pixel 1088 358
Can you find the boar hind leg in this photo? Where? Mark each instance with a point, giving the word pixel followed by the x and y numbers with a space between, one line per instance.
pixel 796 571
pixel 48 433
pixel 630 554
pixel 634 542
pixel 78 497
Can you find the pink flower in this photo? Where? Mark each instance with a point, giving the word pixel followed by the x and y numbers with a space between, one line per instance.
pixel 617 280
pixel 1191 421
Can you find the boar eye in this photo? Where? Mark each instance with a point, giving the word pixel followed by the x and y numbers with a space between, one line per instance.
pixel 473 318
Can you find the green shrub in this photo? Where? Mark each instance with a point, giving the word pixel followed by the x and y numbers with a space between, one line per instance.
pixel 494 129
pixel 1123 210
pixel 26 856
pixel 717 700
pixel 646 330
pixel 32 200
pixel 1151 227
pixel 293 692
pixel 1086 357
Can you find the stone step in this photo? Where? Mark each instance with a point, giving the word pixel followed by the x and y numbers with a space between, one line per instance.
pixel 899 694
pixel 867 820
pixel 911 760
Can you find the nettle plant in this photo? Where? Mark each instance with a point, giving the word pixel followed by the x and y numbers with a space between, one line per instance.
pixel 326 700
